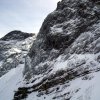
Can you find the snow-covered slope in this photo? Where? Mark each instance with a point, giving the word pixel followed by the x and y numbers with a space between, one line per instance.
pixel 83 88
pixel 10 82
pixel 13 49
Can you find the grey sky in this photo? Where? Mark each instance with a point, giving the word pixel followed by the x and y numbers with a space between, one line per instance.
pixel 24 15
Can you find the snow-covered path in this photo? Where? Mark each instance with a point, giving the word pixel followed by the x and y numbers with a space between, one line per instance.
pixel 10 82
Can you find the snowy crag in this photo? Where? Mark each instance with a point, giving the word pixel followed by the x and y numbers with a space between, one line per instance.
pixel 13 48
pixel 64 60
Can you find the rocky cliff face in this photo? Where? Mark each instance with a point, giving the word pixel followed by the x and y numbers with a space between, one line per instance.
pixel 61 29
pixel 13 49
pixel 65 57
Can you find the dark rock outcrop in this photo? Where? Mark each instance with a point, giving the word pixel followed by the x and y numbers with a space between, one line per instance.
pixel 16 35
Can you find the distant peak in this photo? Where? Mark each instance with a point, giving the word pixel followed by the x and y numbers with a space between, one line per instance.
pixel 17 35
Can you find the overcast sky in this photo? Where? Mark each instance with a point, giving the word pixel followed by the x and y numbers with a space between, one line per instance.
pixel 24 15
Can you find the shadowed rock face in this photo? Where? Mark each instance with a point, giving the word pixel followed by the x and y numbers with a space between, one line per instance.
pixel 16 35
pixel 69 38
pixel 62 27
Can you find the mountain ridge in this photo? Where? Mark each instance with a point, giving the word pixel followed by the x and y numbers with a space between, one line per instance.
pixel 16 35
pixel 13 48
pixel 63 62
